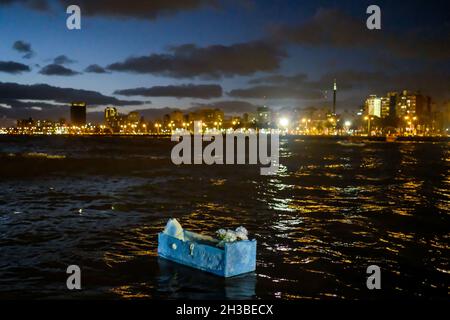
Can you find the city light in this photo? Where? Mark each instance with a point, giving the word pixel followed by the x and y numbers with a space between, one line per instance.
pixel 273 155
pixel 316 121
pixel 284 122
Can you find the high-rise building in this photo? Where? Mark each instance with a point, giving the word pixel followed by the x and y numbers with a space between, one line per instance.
pixel 407 106
pixel 385 107
pixel 110 113
pixel 112 118
pixel 413 103
pixel 373 106
pixel 392 97
pixel 123 123
pixel 78 114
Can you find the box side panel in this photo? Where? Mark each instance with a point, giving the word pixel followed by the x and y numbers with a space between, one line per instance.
pixel 240 257
pixel 192 254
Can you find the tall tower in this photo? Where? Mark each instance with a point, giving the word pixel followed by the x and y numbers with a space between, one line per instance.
pixel 334 96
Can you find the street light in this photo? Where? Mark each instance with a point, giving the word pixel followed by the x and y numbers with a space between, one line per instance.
pixel 368 118
pixel 284 122
pixel 158 127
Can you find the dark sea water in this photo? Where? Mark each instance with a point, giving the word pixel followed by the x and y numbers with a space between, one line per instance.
pixel 331 211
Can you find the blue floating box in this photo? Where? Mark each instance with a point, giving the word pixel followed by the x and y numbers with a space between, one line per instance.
pixel 233 259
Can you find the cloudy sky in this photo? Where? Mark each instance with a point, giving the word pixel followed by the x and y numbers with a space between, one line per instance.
pixel 234 54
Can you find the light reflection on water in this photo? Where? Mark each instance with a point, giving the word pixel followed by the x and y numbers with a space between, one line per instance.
pixel 329 213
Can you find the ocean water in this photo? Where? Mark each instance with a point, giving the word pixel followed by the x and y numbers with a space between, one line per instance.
pixel 329 213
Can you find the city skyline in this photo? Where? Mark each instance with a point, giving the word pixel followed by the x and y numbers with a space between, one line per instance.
pixel 244 154
pixel 405 113
pixel 235 57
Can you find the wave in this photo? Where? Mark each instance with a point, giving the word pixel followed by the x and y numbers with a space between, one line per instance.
pixel 38 155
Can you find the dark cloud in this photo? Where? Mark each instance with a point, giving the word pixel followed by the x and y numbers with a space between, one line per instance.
pixel 44 92
pixel 347 79
pixel 359 84
pixel 430 82
pixel 13 67
pixel 278 78
pixel 333 28
pixel 95 68
pixel 276 92
pixel 39 110
pixel 22 47
pixel 177 91
pixel 216 61
pixel 140 9
pixel 137 8
pixel 156 113
pixel 25 48
pixel 229 107
pixel 280 86
pixel 299 86
pixel 36 110
pixel 40 5
pixel 350 79
pixel 63 59
pixel 36 105
pixel 57 70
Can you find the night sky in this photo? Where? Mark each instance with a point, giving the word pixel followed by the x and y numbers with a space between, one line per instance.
pixel 233 54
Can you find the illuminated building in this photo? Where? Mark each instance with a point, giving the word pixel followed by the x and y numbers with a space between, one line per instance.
pixel 391 105
pixel 233 122
pixel 26 123
pixel 121 123
pixel 406 104
pixel 385 107
pixel 209 117
pixel 420 117
pixel 40 127
pixel 316 121
pixel 406 110
pixel 110 114
pixel 411 103
pixel 78 114
pixel 112 119
pixel 373 106
pixel 133 118
pixel 263 117
pixel 176 117
pixel 391 98
pixel 416 110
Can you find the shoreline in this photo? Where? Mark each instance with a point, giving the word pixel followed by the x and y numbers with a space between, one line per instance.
pixel 310 137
